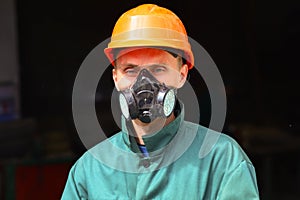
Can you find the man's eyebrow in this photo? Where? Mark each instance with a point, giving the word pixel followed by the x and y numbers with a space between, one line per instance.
pixel 126 65
pixel 130 65
pixel 159 64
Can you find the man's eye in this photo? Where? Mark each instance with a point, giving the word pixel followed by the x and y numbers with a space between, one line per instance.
pixel 131 71
pixel 158 69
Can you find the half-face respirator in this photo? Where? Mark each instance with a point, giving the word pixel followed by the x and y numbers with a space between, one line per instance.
pixel 147 99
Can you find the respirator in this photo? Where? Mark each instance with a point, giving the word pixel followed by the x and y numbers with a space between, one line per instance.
pixel 147 99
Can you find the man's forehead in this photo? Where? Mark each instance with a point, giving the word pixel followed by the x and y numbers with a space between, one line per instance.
pixel 133 50
pixel 142 56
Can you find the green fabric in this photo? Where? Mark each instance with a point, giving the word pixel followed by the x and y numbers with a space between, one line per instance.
pixel 114 169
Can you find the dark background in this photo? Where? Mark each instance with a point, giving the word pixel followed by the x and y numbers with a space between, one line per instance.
pixel 255 45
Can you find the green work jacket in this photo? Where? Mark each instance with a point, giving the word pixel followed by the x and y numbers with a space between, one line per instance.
pixel 186 161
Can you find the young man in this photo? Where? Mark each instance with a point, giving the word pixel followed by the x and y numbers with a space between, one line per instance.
pixel 156 155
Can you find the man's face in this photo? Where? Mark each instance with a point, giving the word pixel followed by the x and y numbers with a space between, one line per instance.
pixel 163 66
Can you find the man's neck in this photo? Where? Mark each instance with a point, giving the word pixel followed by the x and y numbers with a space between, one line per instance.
pixel 142 129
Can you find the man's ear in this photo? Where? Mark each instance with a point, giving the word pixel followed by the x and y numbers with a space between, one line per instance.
pixel 114 76
pixel 183 75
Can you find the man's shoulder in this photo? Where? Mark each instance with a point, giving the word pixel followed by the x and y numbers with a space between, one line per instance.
pixel 207 133
pixel 89 156
pixel 213 142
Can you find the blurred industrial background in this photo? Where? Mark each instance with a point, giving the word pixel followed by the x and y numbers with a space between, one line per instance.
pixel 255 45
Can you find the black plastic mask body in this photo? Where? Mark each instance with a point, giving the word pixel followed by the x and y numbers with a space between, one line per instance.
pixel 147 99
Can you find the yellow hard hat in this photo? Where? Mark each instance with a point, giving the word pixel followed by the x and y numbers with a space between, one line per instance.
pixel 149 25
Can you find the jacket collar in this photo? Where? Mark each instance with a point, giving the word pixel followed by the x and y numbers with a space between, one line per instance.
pixel 154 141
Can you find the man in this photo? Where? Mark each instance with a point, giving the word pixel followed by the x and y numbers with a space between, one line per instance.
pixel 156 155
